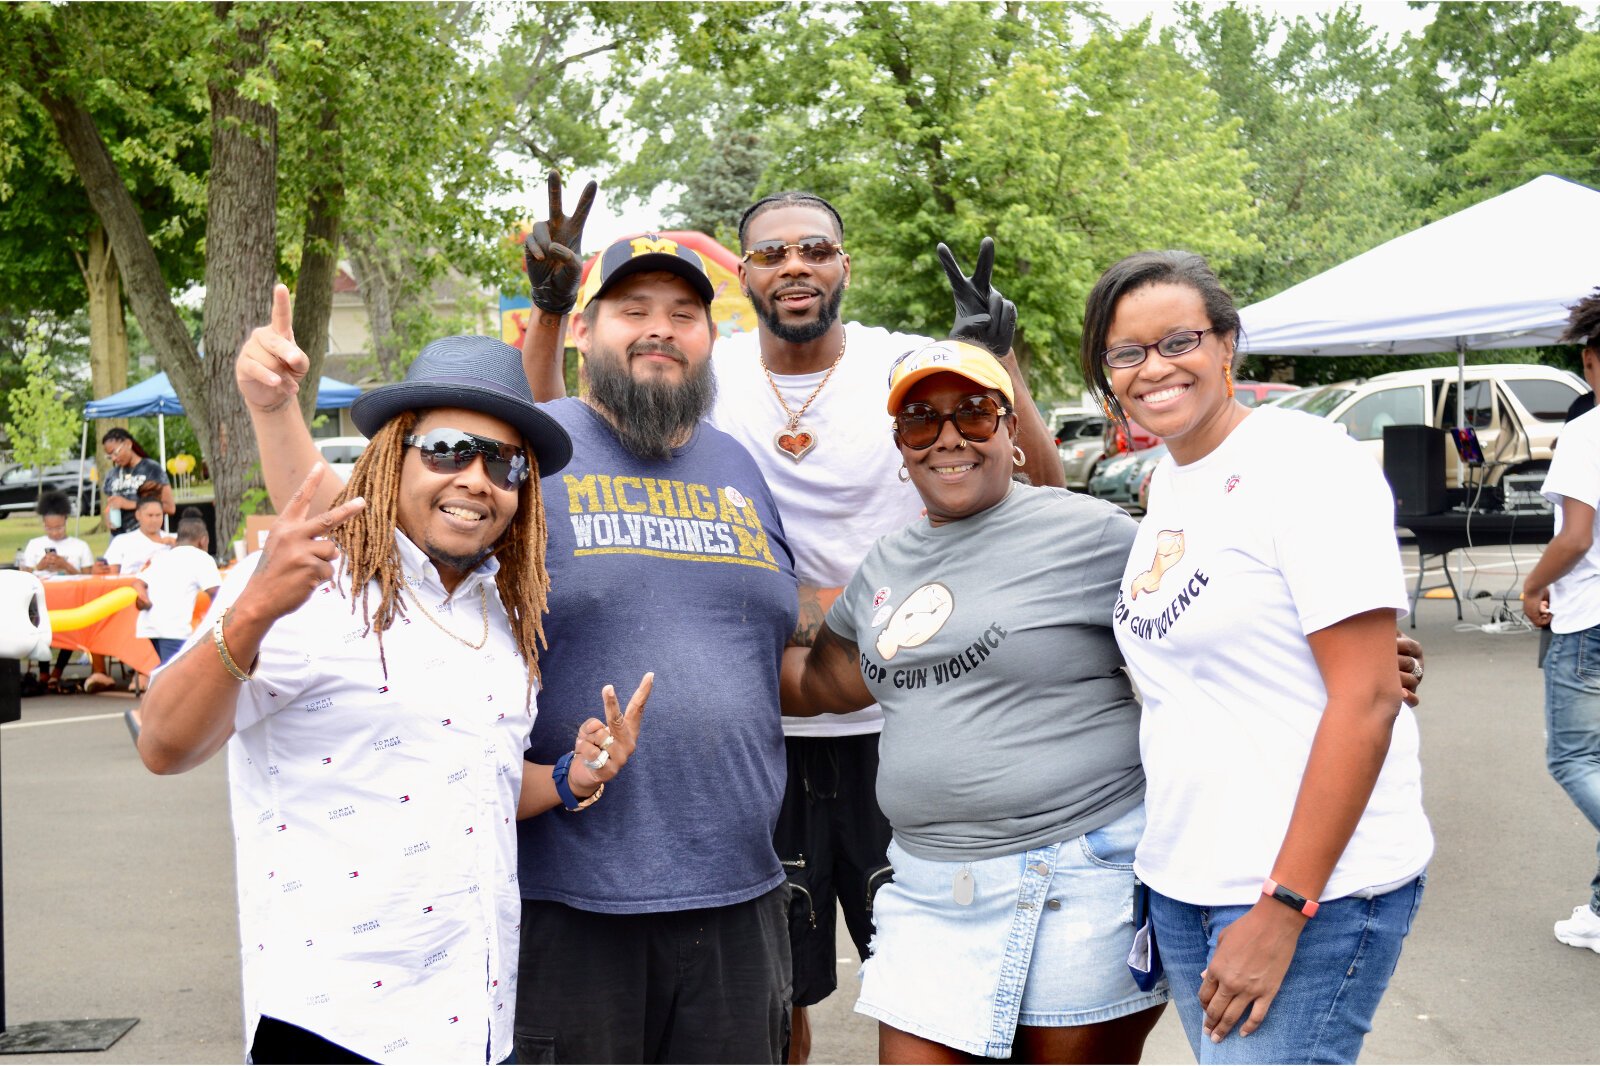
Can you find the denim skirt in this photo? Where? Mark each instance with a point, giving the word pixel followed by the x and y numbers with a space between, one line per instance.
pixel 1043 941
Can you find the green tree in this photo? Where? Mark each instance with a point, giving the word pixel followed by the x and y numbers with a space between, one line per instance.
pixel 929 122
pixel 1460 69
pixel 1549 125
pixel 41 428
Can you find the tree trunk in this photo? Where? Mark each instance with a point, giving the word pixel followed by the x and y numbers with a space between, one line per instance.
pixel 319 264
pixel 378 294
pixel 241 259
pixel 108 331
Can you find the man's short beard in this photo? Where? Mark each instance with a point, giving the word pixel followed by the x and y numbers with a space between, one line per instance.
pixel 804 332
pixel 461 564
pixel 652 415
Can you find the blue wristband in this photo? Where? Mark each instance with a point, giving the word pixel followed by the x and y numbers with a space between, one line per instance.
pixel 563 766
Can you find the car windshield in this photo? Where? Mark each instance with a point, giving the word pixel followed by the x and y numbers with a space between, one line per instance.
pixel 1317 401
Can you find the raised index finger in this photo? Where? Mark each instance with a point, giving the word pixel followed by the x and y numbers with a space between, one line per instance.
pixel 952 269
pixel 282 315
pixel 985 268
pixel 553 181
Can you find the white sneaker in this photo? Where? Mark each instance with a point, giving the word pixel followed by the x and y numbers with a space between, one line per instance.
pixel 1582 930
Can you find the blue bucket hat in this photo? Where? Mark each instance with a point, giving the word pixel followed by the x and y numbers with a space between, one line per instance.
pixel 475 374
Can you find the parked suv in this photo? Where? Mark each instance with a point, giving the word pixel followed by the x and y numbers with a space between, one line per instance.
pixel 21 486
pixel 1516 408
pixel 1079 439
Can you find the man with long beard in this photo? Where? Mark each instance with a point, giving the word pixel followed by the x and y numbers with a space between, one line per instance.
pixel 805 394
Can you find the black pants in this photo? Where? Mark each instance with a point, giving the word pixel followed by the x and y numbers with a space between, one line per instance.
pixel 832 839
pixel 708 985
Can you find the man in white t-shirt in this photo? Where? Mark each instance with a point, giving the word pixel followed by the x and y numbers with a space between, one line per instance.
pixel 128 553
pixel 1563 593
pixel 171 584
pixel 805 395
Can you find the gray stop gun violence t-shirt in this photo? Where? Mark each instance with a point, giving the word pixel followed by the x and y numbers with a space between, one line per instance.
pixel 1008 720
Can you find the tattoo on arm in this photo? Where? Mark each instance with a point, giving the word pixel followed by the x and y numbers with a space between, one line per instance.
pixel 814 604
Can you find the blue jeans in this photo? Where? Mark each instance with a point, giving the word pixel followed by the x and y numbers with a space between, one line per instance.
pixel 167 647
pixel 1572 724
pixel 1324 1008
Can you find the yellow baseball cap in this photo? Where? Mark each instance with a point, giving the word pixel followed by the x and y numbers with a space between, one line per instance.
pixel 975 364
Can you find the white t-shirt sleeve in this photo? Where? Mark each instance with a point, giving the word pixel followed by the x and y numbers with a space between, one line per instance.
pixel 33 551
pixel 1575 466
pixel 1347 562
pixel 77 553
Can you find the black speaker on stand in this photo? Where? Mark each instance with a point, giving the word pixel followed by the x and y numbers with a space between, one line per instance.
pixel 1413 461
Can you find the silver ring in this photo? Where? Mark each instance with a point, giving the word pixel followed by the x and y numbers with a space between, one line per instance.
pixel 610 740
pixel 596 764
pixel 1416 668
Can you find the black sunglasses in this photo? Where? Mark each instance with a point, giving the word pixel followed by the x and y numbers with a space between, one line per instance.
pixel 446 451
pixel 818 251
pixel 977 418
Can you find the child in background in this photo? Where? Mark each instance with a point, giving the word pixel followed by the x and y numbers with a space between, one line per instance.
pixel 129 553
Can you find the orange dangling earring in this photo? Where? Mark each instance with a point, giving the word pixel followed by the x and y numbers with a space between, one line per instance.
pixel 1105 405
pixel 1227 376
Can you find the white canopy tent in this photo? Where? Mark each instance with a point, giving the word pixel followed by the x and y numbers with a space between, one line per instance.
pixel 1498 274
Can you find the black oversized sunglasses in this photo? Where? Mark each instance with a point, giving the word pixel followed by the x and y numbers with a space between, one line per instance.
pixel 446 451
pixel 976 418
pixel 818 251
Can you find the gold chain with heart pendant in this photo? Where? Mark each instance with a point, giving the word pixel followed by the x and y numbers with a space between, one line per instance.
pixel 792 440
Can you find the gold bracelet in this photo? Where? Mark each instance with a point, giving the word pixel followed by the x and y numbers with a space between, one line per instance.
pixel 222 648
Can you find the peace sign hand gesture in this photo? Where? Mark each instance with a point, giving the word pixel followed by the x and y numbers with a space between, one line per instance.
pixel 603 748
pixel 298 555
pixel 552 254
pixel 271 366
pixel 983 316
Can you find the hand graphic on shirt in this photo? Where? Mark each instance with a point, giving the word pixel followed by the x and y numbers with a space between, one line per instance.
pixel 1169 549
pixel 916 620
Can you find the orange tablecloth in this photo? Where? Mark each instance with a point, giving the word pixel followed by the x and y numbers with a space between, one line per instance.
pixel 112 635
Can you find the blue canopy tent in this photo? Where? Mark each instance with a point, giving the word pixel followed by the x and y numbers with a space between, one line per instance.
pixel 155 396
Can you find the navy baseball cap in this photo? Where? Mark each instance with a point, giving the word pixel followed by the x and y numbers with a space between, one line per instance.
pixel 644 253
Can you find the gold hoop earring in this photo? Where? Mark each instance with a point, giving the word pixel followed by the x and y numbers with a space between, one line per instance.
pixel 1018 456
pixel 904 475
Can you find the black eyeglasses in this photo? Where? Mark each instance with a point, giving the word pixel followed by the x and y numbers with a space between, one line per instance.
pixel 446 451
pixel 818 251
pixel 1172 345
pixel 976 418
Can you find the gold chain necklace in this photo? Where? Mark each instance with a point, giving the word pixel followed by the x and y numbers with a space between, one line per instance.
pixel 483 604
pixel 792 440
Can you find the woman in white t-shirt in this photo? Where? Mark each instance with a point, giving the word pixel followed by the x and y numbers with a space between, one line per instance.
pixel 129 552
pixel 1286 842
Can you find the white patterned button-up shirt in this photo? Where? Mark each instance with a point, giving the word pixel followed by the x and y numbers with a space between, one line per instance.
pixel 375 821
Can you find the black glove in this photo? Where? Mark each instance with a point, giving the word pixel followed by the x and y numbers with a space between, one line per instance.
pixel 552 254
pixel 983 316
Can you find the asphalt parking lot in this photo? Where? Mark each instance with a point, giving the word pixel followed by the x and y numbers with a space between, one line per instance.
pixel 119 885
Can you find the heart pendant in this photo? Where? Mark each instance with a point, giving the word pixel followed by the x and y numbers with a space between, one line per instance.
pixel 795 443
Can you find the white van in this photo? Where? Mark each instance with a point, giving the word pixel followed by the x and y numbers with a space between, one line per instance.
pixel 1517 410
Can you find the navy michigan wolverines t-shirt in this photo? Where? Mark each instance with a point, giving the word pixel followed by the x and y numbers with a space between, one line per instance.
pixel 677 566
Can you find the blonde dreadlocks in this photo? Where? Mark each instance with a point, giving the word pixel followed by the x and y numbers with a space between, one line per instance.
pixel 370 553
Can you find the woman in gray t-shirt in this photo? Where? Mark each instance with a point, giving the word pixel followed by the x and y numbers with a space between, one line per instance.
pixel 1009 762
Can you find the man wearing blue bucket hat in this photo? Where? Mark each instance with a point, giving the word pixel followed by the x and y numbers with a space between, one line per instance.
pixel 654 925
pixel 372 673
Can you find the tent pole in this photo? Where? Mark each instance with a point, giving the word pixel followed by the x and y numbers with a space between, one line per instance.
pixel 161 437
pixel 83 455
